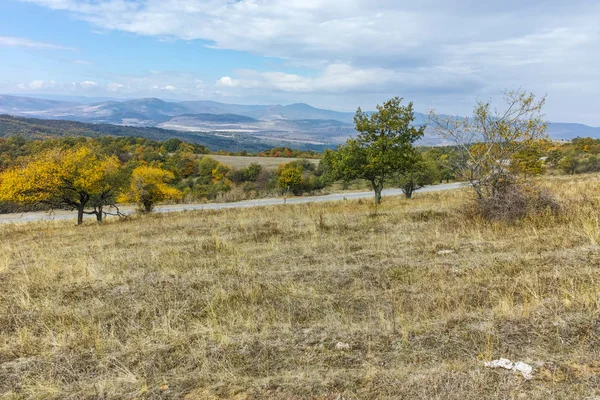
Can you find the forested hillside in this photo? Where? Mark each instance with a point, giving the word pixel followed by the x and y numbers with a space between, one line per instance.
pixel 33 128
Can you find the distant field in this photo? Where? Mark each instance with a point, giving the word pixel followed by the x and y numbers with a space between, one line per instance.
pixel 315 301
pixel 267 162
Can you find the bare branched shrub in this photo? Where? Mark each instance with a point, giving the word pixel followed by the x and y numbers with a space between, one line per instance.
pixel 514 202
pixel 499 152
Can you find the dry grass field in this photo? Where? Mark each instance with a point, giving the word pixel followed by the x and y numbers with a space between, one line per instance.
pixel 244 161
pixel 324 301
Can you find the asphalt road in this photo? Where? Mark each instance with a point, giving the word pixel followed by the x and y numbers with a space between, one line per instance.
pixel 71 215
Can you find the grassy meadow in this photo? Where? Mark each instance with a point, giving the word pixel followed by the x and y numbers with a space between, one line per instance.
pixel 327 301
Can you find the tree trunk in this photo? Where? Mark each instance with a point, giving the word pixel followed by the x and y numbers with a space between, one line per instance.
pixel 478 189
pixel 99 214
pixel 377 188
pixel 147 206
pixel 83 200
pixel 408 189
pixel 80 210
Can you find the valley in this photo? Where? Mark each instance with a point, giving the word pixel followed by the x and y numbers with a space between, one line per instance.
pixel 293 124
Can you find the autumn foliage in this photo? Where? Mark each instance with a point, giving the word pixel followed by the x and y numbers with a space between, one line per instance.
pixel 150 185
pixel 75 178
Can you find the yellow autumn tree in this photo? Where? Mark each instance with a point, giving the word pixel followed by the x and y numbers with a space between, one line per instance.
pixel 150 185
pixel 76 179
pixel 290 178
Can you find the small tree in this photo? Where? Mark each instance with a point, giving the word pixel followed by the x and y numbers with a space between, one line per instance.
pixel 569 164
pixel 150 185
pixel 171 145
pixel 423 172
pixel 207 168
pixel 383 147
pixel 290 178
pixel 75 179
pixel 493 143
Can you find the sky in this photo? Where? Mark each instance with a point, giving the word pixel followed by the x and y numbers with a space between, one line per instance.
pixel 336 54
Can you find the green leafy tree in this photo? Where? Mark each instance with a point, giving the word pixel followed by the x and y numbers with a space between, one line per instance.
pixel 252 171
pixel 554 157
pixel 212 178
pixel 569 164
pixel 442 158
pixel 422 172
pixel 383 147
pixel 205 169
pixel 172 145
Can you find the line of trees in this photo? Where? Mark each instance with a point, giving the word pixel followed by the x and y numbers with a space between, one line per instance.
pixel 93 176
pixel 497 151
pixel 85 180
pixel 581 155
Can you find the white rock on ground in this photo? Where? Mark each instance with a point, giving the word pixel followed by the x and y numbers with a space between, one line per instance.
pixel 342 346
pixel 500 363
pixel 526 370
pixel 445 252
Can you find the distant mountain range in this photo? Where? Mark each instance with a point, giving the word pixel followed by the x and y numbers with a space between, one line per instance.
pixel 294 123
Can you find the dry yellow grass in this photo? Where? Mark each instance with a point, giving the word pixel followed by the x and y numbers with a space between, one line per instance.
pixel 266 162
pixel 251 303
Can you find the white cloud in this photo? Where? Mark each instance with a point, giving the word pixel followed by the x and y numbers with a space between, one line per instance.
pixel 9 41
pixel 88 84
pixel 353 31
pixel 115 87
pixel 166 88
pixel 227 81
pixel 37 85
pixel 438 52
pixel 344 78
pixel 133 85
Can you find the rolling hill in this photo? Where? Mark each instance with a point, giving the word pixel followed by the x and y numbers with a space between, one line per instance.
pixel 294 123
pixel 18 104
pixel 34 128
pixel 270 112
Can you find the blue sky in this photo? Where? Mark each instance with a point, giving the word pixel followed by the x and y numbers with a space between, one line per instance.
pixel 337 54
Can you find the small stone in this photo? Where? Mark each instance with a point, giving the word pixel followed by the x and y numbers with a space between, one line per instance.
pixel 342 346
pixel 445 252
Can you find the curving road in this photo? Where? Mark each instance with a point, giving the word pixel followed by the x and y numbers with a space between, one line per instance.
pixel 68 215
